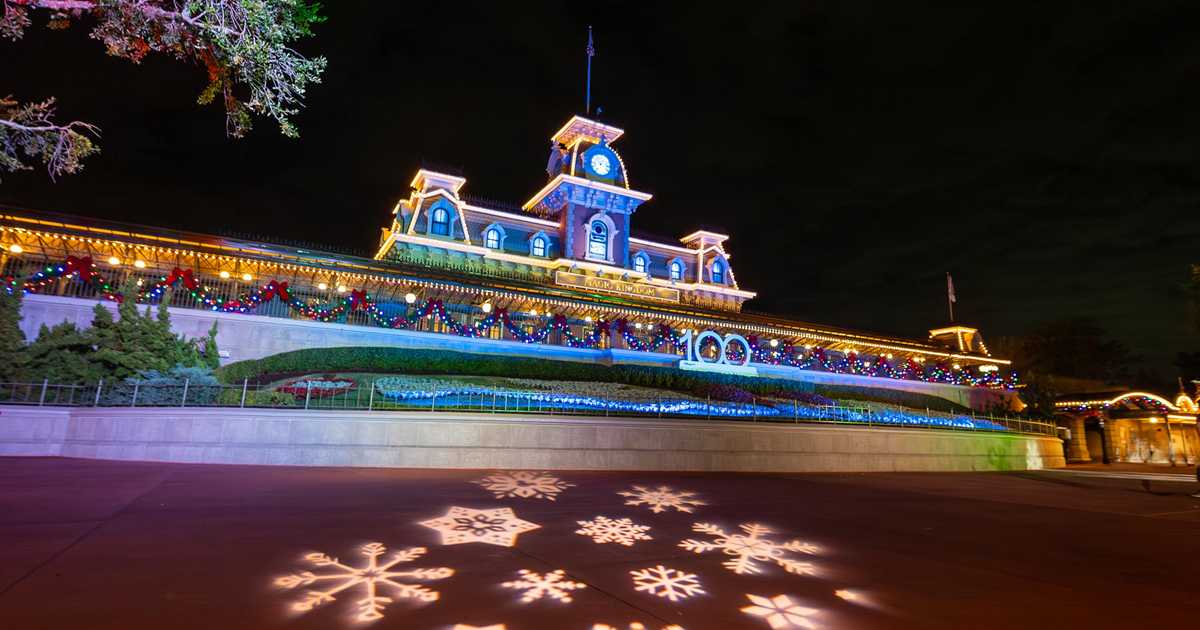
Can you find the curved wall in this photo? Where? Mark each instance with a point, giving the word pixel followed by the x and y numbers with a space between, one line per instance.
pixel 474 440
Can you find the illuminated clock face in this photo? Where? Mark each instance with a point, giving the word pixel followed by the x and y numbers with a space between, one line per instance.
pixel 600 164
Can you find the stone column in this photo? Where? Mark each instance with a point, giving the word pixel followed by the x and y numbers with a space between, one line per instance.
pixel 1077 451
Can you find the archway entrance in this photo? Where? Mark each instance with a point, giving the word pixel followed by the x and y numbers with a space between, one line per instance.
pixel 1094 435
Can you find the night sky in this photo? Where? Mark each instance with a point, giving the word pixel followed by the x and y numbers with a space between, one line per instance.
pixel 1046 155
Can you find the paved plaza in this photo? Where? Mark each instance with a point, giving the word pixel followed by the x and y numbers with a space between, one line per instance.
pixel 96 544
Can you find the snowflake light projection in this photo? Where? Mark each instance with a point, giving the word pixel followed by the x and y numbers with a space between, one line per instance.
pixel 523 484
pixel 463 626
pixel 371 579
pixel 750 548
pixel 780 612
pixel 498 526
pixel 551 585
pixel 621 531
pixel 663 582
pixel 634 625
pixel 661 499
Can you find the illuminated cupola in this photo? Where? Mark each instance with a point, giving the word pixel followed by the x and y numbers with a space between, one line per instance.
pixel 589 193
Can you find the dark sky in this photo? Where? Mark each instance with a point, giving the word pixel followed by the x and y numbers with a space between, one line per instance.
pixel 1045 154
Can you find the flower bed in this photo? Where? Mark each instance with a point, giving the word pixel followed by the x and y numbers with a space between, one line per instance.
pixel 316 387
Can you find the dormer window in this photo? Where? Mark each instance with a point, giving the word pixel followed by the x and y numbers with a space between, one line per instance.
pixel 440 222
pixel 537 246
pixel 598 240
pixel 676 270
pixel 718 272
pixel 640 264
pixel 491 239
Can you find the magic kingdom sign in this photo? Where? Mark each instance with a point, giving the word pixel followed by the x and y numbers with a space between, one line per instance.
pixel 622 287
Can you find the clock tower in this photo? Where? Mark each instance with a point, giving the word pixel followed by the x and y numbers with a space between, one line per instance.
pixel 590 196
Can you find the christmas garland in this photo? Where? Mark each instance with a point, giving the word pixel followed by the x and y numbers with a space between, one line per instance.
pixel 785 354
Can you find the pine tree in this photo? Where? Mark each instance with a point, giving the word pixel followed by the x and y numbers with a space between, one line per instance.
pixel 62 354
pixel 12 338
pixel 212 356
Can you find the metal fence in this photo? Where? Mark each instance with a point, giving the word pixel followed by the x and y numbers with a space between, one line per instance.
pixel 367 397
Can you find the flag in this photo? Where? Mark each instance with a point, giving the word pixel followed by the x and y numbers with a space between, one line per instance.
pixel 950 288
pixel 591 48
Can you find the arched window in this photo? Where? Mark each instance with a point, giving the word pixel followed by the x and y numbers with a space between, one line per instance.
pixel 718 272
pixel 537 246
pixel 676 270
pixel 598 240
pixel 639 264
pixel 440 225
pixel 491 239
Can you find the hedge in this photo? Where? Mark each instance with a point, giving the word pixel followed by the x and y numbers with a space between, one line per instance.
pixel 406 361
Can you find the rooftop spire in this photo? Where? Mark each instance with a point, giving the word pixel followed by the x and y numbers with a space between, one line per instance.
pixel 591 52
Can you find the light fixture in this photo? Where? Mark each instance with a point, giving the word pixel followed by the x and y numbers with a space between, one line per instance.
pixel 246 277
pixel 410 298
pixel 113 260
pixel 16 249
pixel 486 307
pixel 638 325
pixel 321 286
pixel 139 263
pixel 224 275
pixel 533 311
pixel 774 343
pixel 341 288
pixel 588 319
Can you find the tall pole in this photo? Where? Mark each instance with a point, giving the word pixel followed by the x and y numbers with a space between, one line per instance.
pixel 591 52
pixel 950 299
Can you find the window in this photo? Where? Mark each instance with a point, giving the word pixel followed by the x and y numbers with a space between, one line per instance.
pixel 639 264
pixel 491 240
pixel 718 272
pixel 441 222
pixel 676 270
pixel 538 247
pixel 598 240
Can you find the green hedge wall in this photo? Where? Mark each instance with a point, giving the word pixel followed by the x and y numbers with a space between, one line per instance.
pixel 405 361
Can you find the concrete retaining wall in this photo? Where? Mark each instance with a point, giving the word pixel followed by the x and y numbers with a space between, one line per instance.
pixel 472 440
pixel 254 336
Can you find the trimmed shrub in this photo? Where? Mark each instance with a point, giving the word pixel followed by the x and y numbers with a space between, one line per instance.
pixel 405 361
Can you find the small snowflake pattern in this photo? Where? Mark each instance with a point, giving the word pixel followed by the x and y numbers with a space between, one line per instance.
pixel 634 625
pixel 463 626
pixel 780 612
pixel 607 530
pixel 372 579
pixel 669 583
pixel 661 499
pixel 751 548
pixel 499 526
pixel 551 586
pixel 523 484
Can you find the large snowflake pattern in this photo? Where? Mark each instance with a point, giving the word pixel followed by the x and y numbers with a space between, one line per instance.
pixel 372 578
pixel 523 484
pixel 661 499
pixel 663 582
pixel 750 548
pixel 551 585
pixel 621 530
pixel 498 526
pixel 780 612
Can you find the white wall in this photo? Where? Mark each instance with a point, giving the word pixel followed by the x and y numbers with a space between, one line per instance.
pixel 476 440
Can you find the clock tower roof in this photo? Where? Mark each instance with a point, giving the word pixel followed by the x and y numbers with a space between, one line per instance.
pixel 580 129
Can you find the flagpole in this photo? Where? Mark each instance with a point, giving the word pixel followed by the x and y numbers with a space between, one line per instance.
pixel 950 299
pixel 587 106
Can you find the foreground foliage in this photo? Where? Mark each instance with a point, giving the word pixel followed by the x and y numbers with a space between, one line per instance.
pixel 243 45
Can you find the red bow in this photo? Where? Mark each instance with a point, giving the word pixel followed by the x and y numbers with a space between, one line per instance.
pixel 358 299
pixel 274 288
pixel 178 274
pixel 81 265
